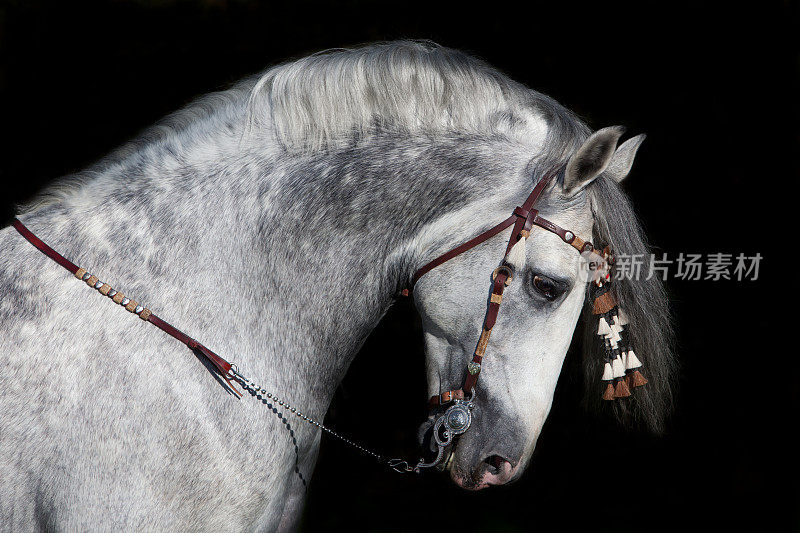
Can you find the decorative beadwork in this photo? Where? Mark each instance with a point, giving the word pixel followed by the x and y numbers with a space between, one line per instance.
pixel 107 290
pixel 144 313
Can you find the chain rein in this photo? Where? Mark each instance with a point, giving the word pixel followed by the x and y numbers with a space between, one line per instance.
pixel 398 465
pixel 227 371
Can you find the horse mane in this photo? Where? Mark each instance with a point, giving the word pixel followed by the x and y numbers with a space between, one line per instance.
pixel 646 305
pixel 340 96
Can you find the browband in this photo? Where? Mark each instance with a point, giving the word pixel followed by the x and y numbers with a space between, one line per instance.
pixel 525 218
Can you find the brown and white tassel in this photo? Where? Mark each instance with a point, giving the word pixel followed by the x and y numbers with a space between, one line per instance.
pixel 632 366
pixel 621 368
pixel 608 389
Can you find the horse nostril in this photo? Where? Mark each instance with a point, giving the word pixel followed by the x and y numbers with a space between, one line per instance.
pixel 496 463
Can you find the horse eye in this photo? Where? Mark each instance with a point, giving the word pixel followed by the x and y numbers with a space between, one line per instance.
pixel 545 286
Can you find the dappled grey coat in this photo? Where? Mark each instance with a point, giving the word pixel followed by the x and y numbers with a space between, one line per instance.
pixel 276 222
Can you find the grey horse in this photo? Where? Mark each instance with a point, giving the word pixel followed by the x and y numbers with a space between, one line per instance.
pixel 276 222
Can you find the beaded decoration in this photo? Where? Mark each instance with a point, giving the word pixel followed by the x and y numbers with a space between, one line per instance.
pixel 105 289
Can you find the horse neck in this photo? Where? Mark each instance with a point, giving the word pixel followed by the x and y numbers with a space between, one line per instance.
pixel 355 224
pixel 281 263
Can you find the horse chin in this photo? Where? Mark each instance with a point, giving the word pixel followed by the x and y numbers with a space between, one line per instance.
pixel 493 470
pixel 465 481
pixel 468 470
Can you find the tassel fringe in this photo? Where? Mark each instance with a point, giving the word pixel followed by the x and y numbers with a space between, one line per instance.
pixel 621 390
pixel 637 379
pixel 622 367
pixel 609 393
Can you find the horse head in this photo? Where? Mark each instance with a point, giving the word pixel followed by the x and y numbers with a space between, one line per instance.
pixel 532 333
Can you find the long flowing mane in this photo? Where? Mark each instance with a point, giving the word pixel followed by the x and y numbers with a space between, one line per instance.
pixel 341 96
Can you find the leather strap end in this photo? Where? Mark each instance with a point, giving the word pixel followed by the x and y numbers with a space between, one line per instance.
pixel 445 397
pixel 234 390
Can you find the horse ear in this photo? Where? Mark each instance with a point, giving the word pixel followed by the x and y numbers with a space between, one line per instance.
pixel 591 159
pixel 622 161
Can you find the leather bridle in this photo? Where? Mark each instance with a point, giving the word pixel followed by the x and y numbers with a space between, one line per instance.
pixel 448 425
pixel 523 218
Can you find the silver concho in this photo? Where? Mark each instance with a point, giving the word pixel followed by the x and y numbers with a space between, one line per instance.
pixel 453 422
pixel 457 419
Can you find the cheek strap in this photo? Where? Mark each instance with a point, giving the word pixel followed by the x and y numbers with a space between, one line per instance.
pixel 523 219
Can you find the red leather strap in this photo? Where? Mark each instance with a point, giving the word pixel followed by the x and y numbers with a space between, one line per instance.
pixel 458 250
pixel 566 235
pixel 46 250
pixel 539 188
pixel 516 233
pixel 522 217
pixel 222 366
pixel 493 309
pixel 445 397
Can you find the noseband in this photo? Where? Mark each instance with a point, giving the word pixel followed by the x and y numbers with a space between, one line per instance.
pixel 457 418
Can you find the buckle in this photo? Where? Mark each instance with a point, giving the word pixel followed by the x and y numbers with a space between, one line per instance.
pixel 507 271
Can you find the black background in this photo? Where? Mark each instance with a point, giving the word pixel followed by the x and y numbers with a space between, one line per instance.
pixel 715 87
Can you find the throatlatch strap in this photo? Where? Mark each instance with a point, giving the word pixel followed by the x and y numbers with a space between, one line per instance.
pixel 221 365
pixel 523 216
pixel 458 250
